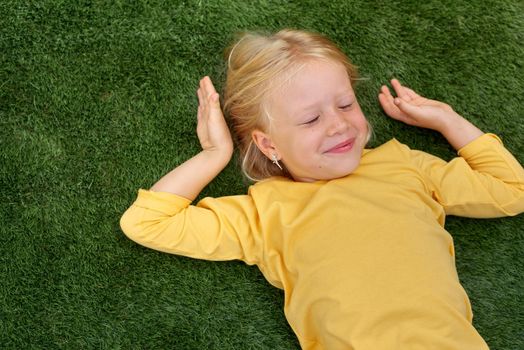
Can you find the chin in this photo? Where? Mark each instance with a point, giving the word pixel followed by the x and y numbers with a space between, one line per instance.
pixel 342 174
pixel 349 168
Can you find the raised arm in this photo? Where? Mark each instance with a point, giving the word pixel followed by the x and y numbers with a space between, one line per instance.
pixel 163 218
pixel 413 109
pixel 188 179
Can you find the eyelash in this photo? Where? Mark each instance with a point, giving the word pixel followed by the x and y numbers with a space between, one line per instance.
pixel 317 117
pixel 312 120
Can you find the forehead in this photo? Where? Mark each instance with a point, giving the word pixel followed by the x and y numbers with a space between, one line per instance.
pixel 310 83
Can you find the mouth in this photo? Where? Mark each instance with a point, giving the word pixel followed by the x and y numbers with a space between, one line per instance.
pixel 342 147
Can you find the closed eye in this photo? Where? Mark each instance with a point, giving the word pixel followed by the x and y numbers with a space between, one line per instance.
pixel 346 106
pixel 312 120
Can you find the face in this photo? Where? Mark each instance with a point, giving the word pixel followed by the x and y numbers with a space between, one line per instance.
pixel 318 129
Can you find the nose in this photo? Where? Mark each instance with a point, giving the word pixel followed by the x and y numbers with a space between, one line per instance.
pixel 338 123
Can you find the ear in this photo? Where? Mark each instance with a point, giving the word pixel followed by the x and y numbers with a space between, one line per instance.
pixel 265 144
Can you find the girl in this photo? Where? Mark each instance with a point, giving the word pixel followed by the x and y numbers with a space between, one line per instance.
pixel 355 237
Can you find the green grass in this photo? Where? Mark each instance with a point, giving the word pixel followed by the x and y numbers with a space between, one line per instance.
pixel 97 99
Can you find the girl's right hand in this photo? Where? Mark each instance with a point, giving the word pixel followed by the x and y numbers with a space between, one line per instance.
pixel 212 130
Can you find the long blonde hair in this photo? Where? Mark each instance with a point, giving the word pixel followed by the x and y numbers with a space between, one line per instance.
pixel 255 62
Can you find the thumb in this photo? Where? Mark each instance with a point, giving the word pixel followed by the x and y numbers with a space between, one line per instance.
pixel 215 100
pixel 406 107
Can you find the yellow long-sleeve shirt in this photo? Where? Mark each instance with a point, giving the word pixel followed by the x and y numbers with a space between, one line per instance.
pixel 365 261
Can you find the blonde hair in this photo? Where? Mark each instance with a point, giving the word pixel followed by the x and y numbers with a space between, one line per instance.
pixel 255 62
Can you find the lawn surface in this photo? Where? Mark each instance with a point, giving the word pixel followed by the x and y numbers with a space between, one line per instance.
pixel 97 99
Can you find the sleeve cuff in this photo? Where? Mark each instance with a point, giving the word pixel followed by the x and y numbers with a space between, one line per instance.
pixel 480 143
pixel 166 203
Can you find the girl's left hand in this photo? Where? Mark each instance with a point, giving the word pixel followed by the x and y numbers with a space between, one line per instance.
pixel 413 109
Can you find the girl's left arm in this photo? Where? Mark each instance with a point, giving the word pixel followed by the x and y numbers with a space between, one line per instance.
pixel 485 181
pixel 413 109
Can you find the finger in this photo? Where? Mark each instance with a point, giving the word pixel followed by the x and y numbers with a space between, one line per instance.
pixel 385 90
pixel 385 100
pixel 215 112
pixel 411 93
pixel 400 90
pixel 202 94
pixel 388 105
pixel 207 88
pixel 199 94
pixel 411 111
pixel 214 99
pixel 202 106
pixel 385 96
pixel 209 85
pixel 212 95
pixel 199 113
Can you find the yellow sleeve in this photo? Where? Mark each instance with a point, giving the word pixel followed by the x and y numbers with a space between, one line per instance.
pixel 485 181
pixel 223 228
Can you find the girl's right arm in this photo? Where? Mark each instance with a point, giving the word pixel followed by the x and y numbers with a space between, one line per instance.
pixel 163 218
pixel 188 179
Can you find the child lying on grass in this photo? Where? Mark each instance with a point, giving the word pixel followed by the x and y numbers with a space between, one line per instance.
pixel 355 237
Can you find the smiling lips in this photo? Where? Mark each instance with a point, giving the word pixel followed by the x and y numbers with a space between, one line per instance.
pixel 342 147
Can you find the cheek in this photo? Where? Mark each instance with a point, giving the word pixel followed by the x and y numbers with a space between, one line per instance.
pixel 359 121
pixel 364 125
pixel 289 145
pixel 311 140
pixel 301 150
pixel 299 145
